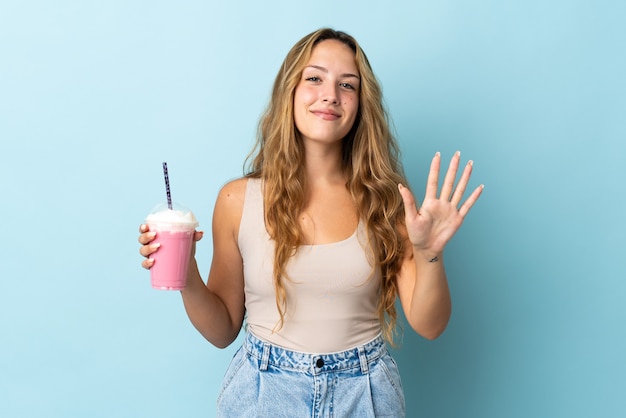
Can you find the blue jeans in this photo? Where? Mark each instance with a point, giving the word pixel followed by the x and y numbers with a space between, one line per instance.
pixel 264 380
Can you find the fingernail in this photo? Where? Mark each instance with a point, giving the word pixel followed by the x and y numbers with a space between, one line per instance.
pixel 152 234
pixel 155 246
pixel 458 153
pixel 470 162
pixel 437 154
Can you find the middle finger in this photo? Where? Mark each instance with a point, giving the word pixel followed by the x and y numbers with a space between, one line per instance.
pixel 146 237
pixel 147 250
pixel 448 182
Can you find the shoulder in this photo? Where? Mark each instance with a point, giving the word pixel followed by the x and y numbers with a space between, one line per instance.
pixel 234 190
pixel 229 206
pixel 231 196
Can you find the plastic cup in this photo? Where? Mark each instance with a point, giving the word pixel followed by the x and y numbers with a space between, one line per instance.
pixel 174 231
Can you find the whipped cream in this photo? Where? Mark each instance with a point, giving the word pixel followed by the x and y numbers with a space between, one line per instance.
pixel 172 219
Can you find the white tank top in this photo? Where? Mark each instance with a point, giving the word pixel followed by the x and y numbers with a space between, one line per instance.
pixel 332 290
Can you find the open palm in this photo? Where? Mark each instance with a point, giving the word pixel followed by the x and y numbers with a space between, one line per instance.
pixel 431 225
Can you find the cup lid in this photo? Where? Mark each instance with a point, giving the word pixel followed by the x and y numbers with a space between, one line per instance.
pixel 178 215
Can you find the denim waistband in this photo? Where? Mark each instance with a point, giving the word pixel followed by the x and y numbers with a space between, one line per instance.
pixel 270 354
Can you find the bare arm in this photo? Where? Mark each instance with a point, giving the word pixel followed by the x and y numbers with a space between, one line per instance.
pixel 216 308
pixel 424 294
pixel 422 283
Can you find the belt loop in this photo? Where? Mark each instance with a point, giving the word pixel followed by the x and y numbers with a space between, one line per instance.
pixel 363 359
pixel 265 356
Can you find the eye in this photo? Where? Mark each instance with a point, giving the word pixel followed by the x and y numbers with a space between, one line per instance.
pixel 347 86
pixel 313 78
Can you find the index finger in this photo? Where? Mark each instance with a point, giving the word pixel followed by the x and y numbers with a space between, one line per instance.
pixel 146 237
pixel 433 177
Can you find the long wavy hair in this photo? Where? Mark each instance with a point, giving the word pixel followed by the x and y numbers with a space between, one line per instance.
pixel 370 158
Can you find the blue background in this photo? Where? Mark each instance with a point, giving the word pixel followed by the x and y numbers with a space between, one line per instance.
pixel 95 95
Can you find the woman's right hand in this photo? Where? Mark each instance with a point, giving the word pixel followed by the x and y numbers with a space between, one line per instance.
pixel 148 247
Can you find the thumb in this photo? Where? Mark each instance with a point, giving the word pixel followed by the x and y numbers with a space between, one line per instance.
pixel 410 206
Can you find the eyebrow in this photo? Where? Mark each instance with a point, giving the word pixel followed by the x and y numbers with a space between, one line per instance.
pixel 319 67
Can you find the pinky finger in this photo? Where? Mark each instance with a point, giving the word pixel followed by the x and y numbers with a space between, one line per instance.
pixel 467 205
pixel 147 263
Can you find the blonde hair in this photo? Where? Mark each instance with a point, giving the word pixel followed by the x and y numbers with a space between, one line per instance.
pixel 370 159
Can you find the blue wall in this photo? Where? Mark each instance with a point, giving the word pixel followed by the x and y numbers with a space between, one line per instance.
pixel 95 95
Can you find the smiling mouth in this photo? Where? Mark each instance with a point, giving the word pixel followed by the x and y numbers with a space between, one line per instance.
pixel 326 114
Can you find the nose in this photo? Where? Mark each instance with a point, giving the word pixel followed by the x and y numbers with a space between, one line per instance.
pixel 330 94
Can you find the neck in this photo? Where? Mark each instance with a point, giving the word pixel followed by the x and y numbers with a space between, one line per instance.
pixel 324 164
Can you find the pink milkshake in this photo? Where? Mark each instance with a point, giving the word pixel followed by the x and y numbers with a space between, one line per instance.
pixel 174 231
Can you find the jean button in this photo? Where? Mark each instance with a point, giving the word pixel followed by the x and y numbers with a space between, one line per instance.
pixel 319 363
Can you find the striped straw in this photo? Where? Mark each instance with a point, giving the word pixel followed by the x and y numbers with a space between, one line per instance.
pixel 167 186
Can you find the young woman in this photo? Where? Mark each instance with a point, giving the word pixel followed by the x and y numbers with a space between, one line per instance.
pixel 313 246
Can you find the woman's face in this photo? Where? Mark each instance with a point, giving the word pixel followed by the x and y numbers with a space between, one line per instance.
pixel 326 100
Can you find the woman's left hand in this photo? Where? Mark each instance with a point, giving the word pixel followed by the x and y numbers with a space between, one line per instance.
pixel 435 222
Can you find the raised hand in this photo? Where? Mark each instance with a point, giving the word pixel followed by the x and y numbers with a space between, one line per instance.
pixel 431 225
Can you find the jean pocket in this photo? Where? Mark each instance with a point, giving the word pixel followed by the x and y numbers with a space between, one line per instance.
pixel 235 364
pixel 393 374
pixel 387 391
